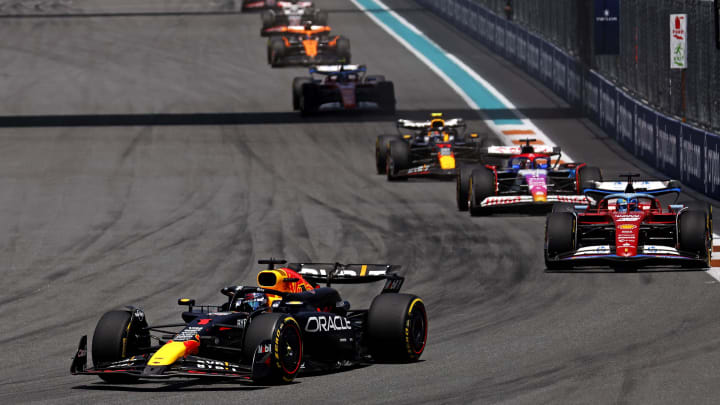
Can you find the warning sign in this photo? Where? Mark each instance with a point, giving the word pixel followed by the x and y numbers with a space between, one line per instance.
pixel 678 41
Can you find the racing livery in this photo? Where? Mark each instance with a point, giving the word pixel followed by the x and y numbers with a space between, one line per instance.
pixel 307 45
pixel 433 148
pixel 626 226
pixel 267 333
pixel 291 14
pixel 531 177
pixel 343 86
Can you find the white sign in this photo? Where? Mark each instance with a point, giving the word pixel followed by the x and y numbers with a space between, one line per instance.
pixel 678 41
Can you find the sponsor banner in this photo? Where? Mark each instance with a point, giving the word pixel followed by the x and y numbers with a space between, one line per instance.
pixel 591 97
pixel 716 7
pixel 546 64
pixel 712 165
pixel 521 47
pixel 608 103
pixel 534 44
pixel 626 127
pixel 500 36
pixel 666 146
pixel 560 62
pixel 678 41
pixel 645 133
pixel 574 83
pixel 692 145
pixel 607 27
pixel 511 41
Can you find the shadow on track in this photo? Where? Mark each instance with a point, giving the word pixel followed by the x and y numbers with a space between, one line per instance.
pixel 260 118
pixel 184 386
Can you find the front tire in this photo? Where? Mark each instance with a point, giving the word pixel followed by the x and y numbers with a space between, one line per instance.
pixel 587 176
pixel 297 88
pixel 397 328
pixel 284 335
pixel 343 50
pixel 462 186
pixel 559 236
pixel 381 151
pixel 693 234
pixel 398 159
pixel 115 339
pixel 481 185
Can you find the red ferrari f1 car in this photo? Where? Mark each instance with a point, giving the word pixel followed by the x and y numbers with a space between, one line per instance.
pixel 626 226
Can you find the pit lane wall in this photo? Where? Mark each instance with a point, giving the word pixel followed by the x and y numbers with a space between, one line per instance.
pixel 681 151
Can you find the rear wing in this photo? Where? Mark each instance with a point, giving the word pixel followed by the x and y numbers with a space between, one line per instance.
pixel 328 273
pixel 335 69
pixel 301 30
pixel 509 151
pixel 600 189
pixel 409 124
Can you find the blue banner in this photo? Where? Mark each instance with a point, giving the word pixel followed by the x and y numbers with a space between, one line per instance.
pixel 546 64
pixel 608 99
pixel 692 145
pixel 574 83
pixel 533 54
pixel 626 127
pixel 712 165
pixel 560 61
pixel 607 27
pixel 666 146
pixel 592 97
pixel 521 45
pixel 645 133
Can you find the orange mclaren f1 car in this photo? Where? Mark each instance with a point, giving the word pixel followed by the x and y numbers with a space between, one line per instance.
pixel 266 334
pixel 307 45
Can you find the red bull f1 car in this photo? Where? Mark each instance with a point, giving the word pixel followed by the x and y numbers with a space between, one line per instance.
pixel 626 226
pixel 275 21
pixel 306 46
pixel 266 334
pixel 531 177
pixel 433 148
pixel 345 87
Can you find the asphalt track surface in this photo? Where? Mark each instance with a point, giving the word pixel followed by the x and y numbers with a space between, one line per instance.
pixel 95 217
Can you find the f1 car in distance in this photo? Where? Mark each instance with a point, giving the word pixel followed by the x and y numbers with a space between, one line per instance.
pixel 532 177
pixel 346 86
pixel 627 226
pixel 254 5
pixel 307 45
pixel 267 333
pixel 291 14
pixel 433 148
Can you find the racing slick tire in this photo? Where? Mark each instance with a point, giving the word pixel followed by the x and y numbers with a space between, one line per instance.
pixel 587 176
pixel 386 94
pixel 308 103
pixel 342 50
pixel 320 17
pixel 398 159
pixel 559 236
pixel 286 347
pixel 397 328
pixel 481 185
pixel 297 88
pixel 115 339
pixel 276 50
pixel 693 234
pixel 268 18
pixel 462 186
pixel 381 151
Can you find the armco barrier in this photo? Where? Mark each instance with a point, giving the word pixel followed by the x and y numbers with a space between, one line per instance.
pixel 678 150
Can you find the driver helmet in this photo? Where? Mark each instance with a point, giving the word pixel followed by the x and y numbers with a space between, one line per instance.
pixel 622 205
pixel 252 302
pixel 633 204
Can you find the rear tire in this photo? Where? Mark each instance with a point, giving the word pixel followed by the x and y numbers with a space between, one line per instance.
pixel 276 49
pixel 386 93
pixel 308 103
pixel 397 328
pixel 587 176
pixel 381 151
pixel 286 347
pixel 693 234
pixel 559 236
pixel 107 344
pixel 268 18
pixel 321 17
pixel 297 88
pixel 398 159
pixel 343 50
pixel 481 185
pixel 462 186
pixel 563 207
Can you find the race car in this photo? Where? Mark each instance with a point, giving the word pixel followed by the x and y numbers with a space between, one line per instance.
pixel 626 227
pixel 343 86
pixel 254 5
pixel 307 45
pixel 291 14
pixel 433 148
pixel 532 177
pixel 266 334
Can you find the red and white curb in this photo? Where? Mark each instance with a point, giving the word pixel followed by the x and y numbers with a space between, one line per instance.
pixel 714 270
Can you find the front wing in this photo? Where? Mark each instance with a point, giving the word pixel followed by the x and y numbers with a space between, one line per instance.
pixel 648 255
pixel 519 200
pixel 432 171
